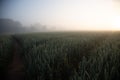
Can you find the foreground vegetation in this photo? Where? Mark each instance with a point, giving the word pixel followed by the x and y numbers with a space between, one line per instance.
pixel 5 53
pixel 70 55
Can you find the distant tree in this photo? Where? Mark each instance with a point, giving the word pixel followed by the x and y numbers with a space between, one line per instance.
pixel 38 27
pixel 10 26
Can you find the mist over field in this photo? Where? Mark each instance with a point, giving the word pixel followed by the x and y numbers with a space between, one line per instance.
pixel 9 26
pixel 59 39
pixel 61 15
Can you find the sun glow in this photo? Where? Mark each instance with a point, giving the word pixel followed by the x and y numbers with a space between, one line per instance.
pixel 116 15
pixel 92 15
pixel 66 14
pixel 116 23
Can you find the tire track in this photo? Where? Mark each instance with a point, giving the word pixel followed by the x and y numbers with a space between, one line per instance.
pixel 16 67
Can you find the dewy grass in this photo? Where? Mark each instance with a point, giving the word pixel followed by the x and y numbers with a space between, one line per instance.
pixel 71 56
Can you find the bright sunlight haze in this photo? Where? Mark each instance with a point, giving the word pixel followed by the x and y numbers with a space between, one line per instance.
pixel 65 14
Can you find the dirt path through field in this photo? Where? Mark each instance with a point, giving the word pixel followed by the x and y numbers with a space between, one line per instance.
pixel 16 67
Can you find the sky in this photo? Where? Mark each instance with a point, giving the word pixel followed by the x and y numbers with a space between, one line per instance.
pixel 66 14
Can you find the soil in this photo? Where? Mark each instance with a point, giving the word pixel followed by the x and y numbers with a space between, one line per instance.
pixel 16 67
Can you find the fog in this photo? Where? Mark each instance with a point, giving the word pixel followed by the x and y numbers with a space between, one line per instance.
pixel 56 15
pixel 11 27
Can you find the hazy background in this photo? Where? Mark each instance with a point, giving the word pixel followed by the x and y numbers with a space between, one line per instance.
pixel 62 14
